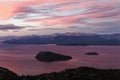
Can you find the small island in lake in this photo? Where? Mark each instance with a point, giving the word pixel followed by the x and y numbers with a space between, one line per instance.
pixel 48 56
pixel 92 53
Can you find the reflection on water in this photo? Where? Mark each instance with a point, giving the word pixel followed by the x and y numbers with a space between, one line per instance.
pixel 20 58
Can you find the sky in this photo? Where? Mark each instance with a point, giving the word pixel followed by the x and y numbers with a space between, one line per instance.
pixel 39 17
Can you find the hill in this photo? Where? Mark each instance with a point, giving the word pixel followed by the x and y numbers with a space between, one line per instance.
pixel 5 74
pixel 81 73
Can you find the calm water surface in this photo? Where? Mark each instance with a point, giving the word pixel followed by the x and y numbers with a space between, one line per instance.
pixel 20 58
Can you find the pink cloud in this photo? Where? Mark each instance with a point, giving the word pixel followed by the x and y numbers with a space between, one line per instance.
pixel 9 8
pixel 56 20
pixel 92 9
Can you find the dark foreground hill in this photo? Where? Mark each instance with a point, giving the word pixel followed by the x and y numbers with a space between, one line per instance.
pixel 7 75
pixel 81 73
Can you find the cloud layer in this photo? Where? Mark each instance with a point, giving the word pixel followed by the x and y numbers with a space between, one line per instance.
pixel 103 16
pixel 10 27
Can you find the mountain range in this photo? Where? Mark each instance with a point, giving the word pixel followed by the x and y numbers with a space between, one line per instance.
pixel 83 39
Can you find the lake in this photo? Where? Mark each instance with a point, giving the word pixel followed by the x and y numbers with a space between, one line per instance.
pixel 20 58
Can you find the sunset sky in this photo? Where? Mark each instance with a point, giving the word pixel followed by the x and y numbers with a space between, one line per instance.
pixel 37 17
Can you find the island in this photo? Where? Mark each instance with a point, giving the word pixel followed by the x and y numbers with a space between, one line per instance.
pixel 48 56
pixel 92 53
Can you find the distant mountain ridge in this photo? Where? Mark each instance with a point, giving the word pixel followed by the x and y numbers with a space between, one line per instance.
pixel 68 39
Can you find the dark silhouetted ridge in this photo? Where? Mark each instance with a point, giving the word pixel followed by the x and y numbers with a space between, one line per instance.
pixel 81 73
